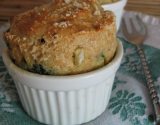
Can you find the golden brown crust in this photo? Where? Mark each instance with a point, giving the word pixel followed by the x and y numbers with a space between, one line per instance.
pixel 50 34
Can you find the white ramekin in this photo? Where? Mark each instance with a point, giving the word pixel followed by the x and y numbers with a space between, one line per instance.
pixel 117 8
pixel 65 100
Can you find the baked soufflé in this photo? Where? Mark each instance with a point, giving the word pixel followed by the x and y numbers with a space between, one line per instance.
pixel 63 37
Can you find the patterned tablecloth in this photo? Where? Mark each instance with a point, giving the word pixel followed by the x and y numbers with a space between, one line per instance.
pixel 130 102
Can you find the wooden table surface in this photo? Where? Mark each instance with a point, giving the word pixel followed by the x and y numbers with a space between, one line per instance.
pixel 10 8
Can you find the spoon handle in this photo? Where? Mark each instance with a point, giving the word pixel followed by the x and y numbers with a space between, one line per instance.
pixel 150 84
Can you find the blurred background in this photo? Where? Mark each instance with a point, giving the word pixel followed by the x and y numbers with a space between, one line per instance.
pixel 10 8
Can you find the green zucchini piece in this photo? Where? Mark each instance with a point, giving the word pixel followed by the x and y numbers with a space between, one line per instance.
pixel 38 68
pixel 24 65
pixel 100 60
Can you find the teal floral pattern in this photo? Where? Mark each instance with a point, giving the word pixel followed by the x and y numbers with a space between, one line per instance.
pixel 131 65
pixel 117 82
pixel 127 104
pixel 149 121
pixel 8 91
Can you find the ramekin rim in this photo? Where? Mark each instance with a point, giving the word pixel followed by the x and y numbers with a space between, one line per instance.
pixel 63 83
